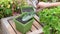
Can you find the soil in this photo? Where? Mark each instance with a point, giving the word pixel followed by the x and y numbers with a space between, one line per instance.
pixel 23 22
pixel 27 9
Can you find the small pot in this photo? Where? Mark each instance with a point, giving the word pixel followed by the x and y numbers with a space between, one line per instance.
pixel 27 9
pixel 23 26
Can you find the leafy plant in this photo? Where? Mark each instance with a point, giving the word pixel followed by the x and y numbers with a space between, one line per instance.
pixel 45 0
pixel 23 3
pixel 1 16
pixel 18 4
pixel 5 8
pixel 51 19
pixel 7 12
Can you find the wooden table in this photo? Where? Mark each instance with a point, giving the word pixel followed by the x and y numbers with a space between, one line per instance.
pixel 8 26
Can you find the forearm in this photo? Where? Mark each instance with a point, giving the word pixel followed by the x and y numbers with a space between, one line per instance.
pixel 55 4
pixel 52 4
pixel 43 4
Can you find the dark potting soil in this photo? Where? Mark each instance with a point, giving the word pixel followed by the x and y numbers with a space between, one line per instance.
pixel 20 20
pixel 28 9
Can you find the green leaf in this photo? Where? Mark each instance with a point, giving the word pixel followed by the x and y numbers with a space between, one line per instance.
pixel 46 29
pixel 8 12
pixel 50 17
pixel 1 16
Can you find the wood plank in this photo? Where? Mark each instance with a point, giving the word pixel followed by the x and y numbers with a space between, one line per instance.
pixel 33 28
pixel 7 29
pixel 36 24
pixel 36 17
pixel 14 27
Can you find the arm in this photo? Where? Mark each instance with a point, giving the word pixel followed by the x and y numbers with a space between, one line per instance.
pixel 43 4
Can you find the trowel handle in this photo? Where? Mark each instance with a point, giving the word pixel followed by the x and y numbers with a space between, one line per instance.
pixel 33 2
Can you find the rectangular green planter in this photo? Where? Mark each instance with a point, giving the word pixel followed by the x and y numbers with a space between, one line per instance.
pixel 23 27
pixel 27 9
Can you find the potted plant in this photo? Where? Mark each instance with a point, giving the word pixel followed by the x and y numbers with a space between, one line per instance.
pixel 51 20
pixel 21 25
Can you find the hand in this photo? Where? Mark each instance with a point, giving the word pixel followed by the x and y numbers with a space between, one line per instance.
pixel 42 5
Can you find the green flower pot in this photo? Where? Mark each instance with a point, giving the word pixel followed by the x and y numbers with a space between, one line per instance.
pixel 27 9
pixel 23 26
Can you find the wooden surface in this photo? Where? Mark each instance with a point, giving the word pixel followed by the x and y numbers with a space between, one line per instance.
pixel 8 26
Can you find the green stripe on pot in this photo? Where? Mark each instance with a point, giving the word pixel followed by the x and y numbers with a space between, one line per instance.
pixel 23 27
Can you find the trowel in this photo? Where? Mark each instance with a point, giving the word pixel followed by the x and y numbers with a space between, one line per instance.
pixel 30 14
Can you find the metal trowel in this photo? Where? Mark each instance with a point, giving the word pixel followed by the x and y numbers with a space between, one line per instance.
pixel 30 14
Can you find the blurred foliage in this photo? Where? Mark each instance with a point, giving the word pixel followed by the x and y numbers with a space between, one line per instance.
pixel 51 19
pixel 7 5
pixel 5 8
pixel 18 4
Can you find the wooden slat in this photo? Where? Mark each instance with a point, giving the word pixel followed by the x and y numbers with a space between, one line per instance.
pixel 36 17
pixel 13 25
pixel 37 24
pixel 7 29
pixel 33 28
pixel 28 32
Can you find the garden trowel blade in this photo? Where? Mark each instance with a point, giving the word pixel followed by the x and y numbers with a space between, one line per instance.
pixel 28 16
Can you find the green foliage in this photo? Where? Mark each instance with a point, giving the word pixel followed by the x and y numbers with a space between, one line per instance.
pixel 5 8
pixel 51 19
pixel 1 16
pixel 24 2
pixel 6 3
pixel 45 0
pixel 7 12
pixel 18 4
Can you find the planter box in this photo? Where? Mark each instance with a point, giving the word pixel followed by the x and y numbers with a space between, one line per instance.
pixel 23 26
